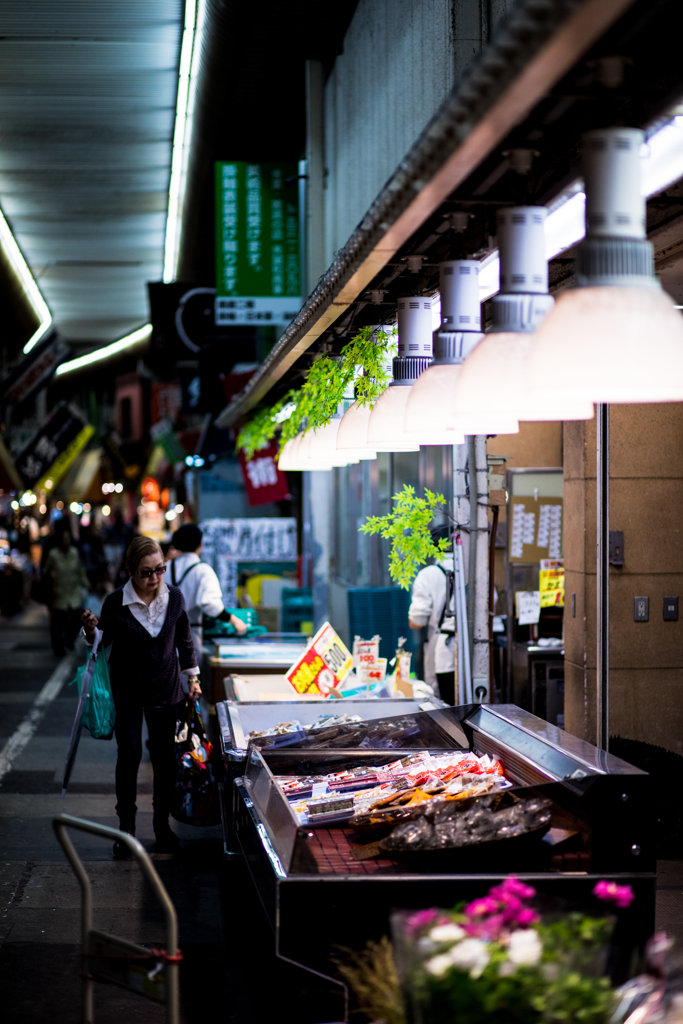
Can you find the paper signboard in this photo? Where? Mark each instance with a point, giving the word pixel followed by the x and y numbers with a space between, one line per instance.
pixel 324 664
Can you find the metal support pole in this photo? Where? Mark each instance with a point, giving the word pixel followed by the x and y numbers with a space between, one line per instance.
pixel 479 539
pixel 602 588
pixel 461 517
pixel 471 578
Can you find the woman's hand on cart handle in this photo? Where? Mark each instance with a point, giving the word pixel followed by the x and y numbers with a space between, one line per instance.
pixel 89 623
pixel 195 688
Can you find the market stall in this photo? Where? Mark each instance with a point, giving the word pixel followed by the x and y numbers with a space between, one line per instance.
pixel 242 722
pixel 427 809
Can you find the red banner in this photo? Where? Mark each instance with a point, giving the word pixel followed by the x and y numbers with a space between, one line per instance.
pixel 263 481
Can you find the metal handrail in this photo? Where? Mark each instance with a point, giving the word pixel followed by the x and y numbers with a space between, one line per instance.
pixel 65 821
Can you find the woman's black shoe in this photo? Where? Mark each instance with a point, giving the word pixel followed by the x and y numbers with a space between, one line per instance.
pixel 166 839
pixel 121 849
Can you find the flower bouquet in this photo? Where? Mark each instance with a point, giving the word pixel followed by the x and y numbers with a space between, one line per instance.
pixel 497 959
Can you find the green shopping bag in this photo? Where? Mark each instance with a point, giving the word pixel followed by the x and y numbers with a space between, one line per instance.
pixel 99 714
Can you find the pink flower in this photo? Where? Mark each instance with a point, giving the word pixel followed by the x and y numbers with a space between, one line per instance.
pixel 512 888
pixel 527 917
pixel 481 907
pixel 422 919
pixel 610 892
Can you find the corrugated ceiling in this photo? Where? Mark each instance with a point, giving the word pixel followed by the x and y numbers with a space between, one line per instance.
pixel 87 104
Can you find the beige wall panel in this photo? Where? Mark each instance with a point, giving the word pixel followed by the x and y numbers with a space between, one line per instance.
pixel 647 705
pixel 637 645
pixel 579 701
pixel 575 642
pixel 536 445
pixel 650 514
pixel 576 555
pixel 646 440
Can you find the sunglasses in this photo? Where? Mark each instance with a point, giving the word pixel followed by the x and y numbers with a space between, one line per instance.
pixel 147 574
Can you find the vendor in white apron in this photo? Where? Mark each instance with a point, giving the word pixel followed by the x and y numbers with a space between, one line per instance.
pixel 428 608
pixel 198 583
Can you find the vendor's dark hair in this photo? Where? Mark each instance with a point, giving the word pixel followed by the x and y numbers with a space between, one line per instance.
pixel 187 537
pixel 139 549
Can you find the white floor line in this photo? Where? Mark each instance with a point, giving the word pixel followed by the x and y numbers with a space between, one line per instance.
pixel 24 732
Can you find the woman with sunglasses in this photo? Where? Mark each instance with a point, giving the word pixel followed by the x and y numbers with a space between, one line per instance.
pixel 146 624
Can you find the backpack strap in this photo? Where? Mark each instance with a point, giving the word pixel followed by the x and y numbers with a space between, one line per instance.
pixel 450 590
pixel 186 573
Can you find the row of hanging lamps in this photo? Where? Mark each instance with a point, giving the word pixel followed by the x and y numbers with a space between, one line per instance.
pixel 429 410
pixel 615 336
pixel 517 311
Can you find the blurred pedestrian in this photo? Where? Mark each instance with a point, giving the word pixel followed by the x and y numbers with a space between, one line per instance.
pixel 66 570
pixel 92 554
pixel 147 624
pixel 11 589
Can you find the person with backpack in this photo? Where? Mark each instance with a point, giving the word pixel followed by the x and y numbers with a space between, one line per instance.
pixel 430 606
pixel 198 582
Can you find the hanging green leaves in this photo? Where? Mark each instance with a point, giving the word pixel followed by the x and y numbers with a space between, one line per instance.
pixel 328 379
pixel 407 527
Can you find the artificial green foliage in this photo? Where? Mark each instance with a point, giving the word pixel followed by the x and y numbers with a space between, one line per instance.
pixel 327 380
pixel 407 527
pixel 261 428
pixel 370 353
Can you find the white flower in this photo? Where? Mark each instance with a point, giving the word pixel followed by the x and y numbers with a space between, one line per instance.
pixel 438 965
pixel 471 955
pixel 425 945
pixel 506 969
pixel 525 947
pixel 447 933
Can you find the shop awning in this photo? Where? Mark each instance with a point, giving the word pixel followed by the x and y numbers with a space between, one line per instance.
pixel 84 481
pixel 539 44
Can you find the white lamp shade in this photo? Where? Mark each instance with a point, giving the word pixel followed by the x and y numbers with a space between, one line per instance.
pixel 610 344
pixel 323 446
pixel 353 429
pixel 429 405
pixel 300 458
pixel 386 432
pixel 286 457
pixel 437 399
pixel 493 381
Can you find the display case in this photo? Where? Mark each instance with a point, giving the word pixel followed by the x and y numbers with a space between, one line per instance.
pixel 237 719
pixel 312 880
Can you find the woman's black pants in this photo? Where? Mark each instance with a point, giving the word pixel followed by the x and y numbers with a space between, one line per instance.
pixel 128 730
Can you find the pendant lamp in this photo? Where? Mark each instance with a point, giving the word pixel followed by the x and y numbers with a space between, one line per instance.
pixel 429 410
pixel 353 429
pixel 615 337
pixel 386 431
pixel 325 443
pixel 492 381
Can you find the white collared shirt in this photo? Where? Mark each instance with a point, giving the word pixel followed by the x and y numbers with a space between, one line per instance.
pixel 151 616
pixel 200 587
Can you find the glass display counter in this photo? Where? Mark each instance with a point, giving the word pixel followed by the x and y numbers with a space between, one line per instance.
pixel 326 883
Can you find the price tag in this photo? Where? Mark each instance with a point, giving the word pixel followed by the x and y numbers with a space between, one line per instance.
pixel 319 789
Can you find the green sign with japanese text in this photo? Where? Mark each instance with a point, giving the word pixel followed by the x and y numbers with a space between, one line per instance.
pixel 258 267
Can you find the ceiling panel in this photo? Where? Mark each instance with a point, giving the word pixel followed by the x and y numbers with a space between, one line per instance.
pixel 87 103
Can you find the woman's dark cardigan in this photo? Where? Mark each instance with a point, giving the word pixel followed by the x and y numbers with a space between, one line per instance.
pixel 146 669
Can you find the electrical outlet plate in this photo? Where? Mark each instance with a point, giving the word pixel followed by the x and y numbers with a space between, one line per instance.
pixel 641 609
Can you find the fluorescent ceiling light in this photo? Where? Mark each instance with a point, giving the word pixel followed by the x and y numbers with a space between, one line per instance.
pixel 121 345
pixel 190 49
pixel 14 255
